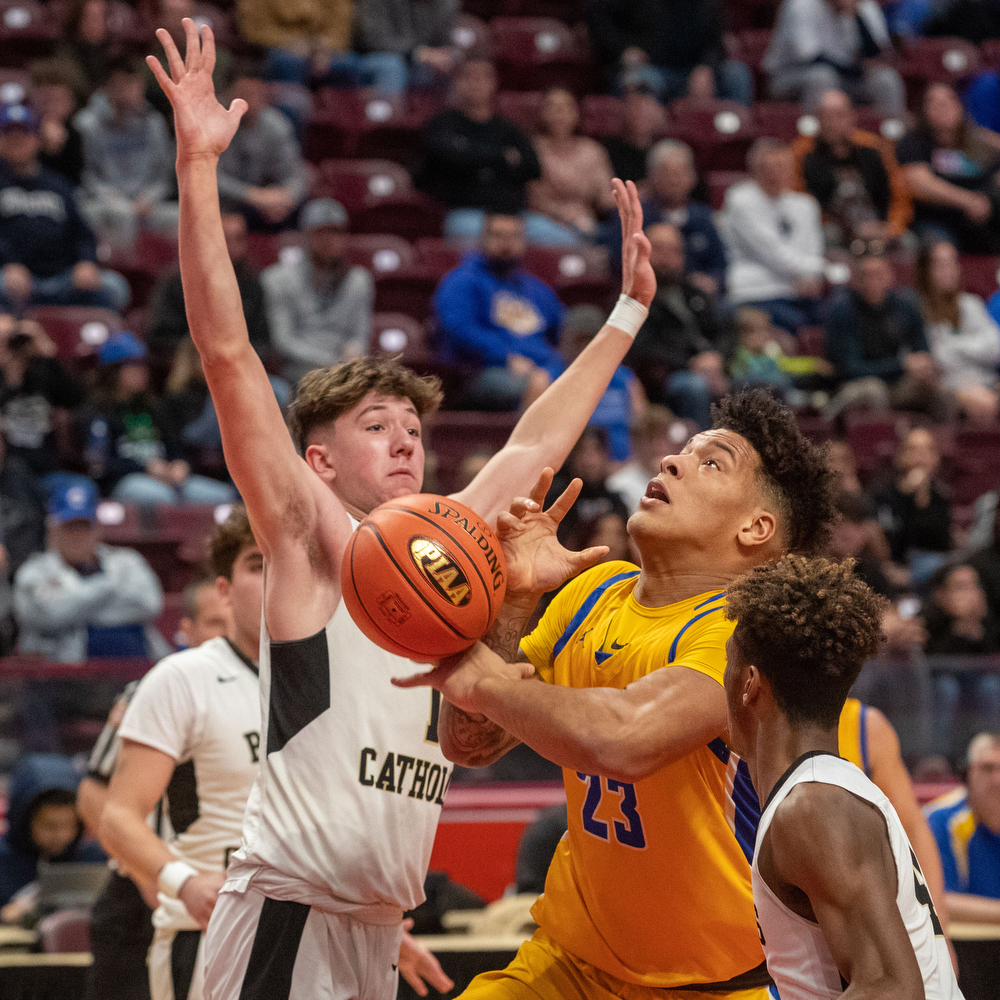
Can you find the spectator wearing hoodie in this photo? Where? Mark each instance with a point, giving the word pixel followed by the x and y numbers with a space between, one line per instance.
pixel 81 598
pixel 42 825
pixel 128 160
pixel 492 313
pixel 48 251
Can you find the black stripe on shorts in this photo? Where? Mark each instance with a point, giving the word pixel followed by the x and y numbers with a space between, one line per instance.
pixel 275 947
pixel 183 955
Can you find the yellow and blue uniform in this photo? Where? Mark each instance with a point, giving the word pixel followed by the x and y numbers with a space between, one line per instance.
pixel 852 734
pixel 970 852
pixel 650 888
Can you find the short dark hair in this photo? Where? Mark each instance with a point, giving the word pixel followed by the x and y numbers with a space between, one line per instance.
pixel 325 393
pixel 230 539
pixel 191 591
pixel 125 65
pixel 792 469
pixel 808 625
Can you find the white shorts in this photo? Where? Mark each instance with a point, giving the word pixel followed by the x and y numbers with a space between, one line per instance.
pixel 257 948
pixel 177 965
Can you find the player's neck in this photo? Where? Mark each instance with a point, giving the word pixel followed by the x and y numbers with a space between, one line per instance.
pixel 779 744
pixel 658 587
pixel 249 646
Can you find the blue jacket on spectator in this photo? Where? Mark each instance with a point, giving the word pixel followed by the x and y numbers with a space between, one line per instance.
pixel 970 852
pixel 40 224
pixel 993 306
pixel 35 778
pixel 485 317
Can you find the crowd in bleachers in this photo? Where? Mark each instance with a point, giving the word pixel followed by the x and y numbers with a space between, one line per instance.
pixel 821 188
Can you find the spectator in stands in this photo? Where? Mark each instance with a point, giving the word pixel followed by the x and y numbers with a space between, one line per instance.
pixel 42 825
pixel 475 161
pixel 22 512
pixel 674 48
pixel 623 400
pixel 493 313
pixel 261 173
pixel 964 338
pixel 821 45
pixel 652 438
pixel 775 240
pixel 966 825
pixel 754 359
pixel 853 175
pixel 982 100
pixel 319 309
pixel 678 351
pixel 950 164
pixel 167 323
pixel 47 250
pixel 876 340
pixel 959 623
pixel 125 442
pixel 913 508
pixel 408 42
pixel 589 461
pixel 87 41
pixel 56 86
pixel 672 176
pixel 33 385
pixel 128 160
pixel 609 529
pixel 986 560
pixel 81 598
pixel 642 117
pixel 575 187
pixel 851 537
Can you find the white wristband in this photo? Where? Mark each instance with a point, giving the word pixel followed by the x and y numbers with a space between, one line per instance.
pixel 172 877
pixel 628 315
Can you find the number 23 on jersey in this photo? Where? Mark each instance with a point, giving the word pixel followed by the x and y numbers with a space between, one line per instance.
pixel 628 830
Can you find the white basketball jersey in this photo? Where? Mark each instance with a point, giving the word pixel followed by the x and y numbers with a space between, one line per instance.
pixel 345 807
pixel 798 958
pixel 201 707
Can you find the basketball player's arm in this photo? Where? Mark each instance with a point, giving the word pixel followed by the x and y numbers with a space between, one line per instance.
pixel 140 779
pixel 286 502
pixel 91 798
pixel 550 427
pixel 833 849
pixel 965 908
pixel 889 772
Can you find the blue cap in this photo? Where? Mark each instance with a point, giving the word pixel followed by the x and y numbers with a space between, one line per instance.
pixel 122 346
pixel 74 501
pixel 18 116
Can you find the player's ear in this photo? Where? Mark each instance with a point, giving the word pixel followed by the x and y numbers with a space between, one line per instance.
pixel 759 528
pixel 751 686
pixel 317 456
pixel 223 587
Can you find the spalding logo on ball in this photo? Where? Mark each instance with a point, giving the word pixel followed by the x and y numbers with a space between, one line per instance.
pixel 424 576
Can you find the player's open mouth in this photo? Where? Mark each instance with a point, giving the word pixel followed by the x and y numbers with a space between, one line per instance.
pixel 655 491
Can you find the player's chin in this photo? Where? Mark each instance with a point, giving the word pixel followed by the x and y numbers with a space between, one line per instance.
pixel 400 485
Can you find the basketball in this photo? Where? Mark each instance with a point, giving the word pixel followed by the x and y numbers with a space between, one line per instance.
pixel 423 576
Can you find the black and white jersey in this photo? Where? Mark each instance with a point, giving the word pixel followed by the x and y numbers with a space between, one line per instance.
pixel 202 708
pixel 344 811
pixel 798 958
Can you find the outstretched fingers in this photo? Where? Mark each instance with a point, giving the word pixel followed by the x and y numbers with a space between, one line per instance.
pixel 420 680
pixel 560 508
pixel 207 48
pixel 160 75
pixel 192 45
pixel 174 60
pixel 542 486
pixel 587 558
pixel 635 206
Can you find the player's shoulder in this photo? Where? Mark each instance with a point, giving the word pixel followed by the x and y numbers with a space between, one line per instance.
pixel 939 811
pixel 192 665
pixel 598 580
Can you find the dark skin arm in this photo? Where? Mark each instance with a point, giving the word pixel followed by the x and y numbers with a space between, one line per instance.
pixel 827 857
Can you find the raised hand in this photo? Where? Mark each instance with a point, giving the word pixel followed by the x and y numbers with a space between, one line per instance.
pixel 204 127
pixel 638 280
pixel 536 561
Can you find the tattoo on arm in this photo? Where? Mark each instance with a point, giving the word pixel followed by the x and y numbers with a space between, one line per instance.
pixel 504 638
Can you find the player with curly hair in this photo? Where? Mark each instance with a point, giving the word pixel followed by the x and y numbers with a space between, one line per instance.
pixel 843 908
pixel 650 889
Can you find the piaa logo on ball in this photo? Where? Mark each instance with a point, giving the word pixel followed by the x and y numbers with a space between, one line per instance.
pixel 441 570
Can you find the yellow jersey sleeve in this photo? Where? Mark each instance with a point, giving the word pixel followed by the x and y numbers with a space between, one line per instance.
pixel 540 645
pixel 701 645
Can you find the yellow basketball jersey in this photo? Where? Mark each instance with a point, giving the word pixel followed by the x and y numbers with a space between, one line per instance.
pixel 852 733
pixel 652 882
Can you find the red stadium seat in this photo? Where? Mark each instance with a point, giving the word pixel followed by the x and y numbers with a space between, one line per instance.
pixel 130 25
pixel 472 35
pixel 719 182
pixel 379 252
pixel 440 256
pixel 15 86
pixel 143 263
pixel 890 127
pixel 522 107
pixel 453 434
pixel 601 115
pixel 169 619
pixel 976 464
pixel 812 341
pixel 406 291
pixel 78 331
pixel 783 120
pixel 27 30
pixel 579 276
pixel 535 53
pixel 944 60
pixel 720 132
pixel 989 53
pixel 873 438
pixel 67 931
pixel 397 333
pixel 351 182
pixel 980 275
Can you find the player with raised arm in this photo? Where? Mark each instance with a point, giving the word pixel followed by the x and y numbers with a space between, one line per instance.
pixel 341 820
pixel 650 889
pixel 842 905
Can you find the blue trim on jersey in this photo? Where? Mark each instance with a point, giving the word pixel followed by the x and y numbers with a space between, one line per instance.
pixel 747 806
pixel 677 638
pixel 863 738
pixel 588 605
pixel 711 600
pixel 719 748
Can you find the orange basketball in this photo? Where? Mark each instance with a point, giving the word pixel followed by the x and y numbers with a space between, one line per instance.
pixel 423 576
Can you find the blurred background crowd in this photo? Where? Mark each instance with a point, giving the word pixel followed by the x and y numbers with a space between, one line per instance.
pixel 821 188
